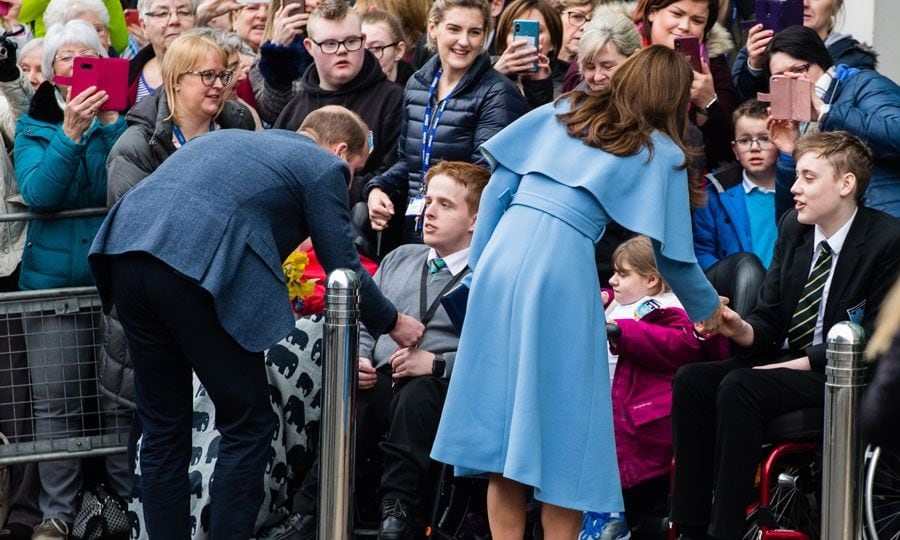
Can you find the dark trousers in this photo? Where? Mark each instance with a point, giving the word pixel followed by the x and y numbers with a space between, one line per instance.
pixel 719 414
pixel 172 327
pixel 415 413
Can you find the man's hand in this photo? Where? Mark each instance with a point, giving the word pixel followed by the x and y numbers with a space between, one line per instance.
pixel 411 362
pixel 367 375
pixel 799 364
pixel 380 209
pixel 407 331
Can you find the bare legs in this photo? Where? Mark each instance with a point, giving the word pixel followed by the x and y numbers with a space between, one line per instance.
pixel 506 513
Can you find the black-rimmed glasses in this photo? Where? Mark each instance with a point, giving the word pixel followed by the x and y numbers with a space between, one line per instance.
pixel 378 50
pixel 331 46
pixel 208 77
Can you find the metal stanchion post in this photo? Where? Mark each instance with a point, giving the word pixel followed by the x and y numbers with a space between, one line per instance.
pixel 339 376
pixel 845 378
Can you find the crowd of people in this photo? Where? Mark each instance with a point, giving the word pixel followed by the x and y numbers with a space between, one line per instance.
pixel 431 148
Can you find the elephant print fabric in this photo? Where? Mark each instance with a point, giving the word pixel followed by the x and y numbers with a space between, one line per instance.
pixel 294 367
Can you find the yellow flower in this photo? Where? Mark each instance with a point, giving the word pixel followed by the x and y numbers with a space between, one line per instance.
pixel 294 267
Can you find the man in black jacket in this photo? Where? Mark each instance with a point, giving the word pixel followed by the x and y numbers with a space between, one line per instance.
pixel 834 261
pixel 344 73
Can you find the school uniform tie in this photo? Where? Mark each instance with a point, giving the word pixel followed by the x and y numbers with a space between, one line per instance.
pixel 436 265
pixel 803 323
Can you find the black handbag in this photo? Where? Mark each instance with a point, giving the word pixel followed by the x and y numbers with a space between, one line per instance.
pixel 101 515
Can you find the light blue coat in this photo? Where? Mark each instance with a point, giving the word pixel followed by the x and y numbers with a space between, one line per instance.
pixel 530 395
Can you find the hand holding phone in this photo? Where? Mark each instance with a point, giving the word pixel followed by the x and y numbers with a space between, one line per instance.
pixel 790 98
pixel 529 30
pixel 107 74
pixel 302 4
pixel 689 48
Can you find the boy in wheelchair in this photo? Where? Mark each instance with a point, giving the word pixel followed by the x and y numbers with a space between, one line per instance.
pixel 834 260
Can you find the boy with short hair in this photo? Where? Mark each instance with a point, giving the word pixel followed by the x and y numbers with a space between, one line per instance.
pixel 740 210
pixel 834 261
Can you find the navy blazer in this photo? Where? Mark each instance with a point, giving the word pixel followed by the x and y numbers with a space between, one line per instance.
pixel 225 211
pixel 866 269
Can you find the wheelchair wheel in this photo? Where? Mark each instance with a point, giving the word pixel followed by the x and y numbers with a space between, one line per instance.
pixel 793 502
pixel 882 496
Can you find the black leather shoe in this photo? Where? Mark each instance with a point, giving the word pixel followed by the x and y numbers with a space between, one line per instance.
pixel 396 520
pixel 303 527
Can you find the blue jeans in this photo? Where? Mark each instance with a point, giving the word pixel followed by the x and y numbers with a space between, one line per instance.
pixel 172 327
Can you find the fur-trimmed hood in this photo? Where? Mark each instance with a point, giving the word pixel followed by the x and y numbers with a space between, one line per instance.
pixel 718 42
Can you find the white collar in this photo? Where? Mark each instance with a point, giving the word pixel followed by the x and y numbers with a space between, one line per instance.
pixel 456 262
pixel 836 242
pixel 824 82
pixel 750 185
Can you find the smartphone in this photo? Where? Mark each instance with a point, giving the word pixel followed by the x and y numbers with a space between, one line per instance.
pixel 107 74
pixel 132 17
pixel 4 9
pixel 301 2
pixel 530 30
pixel 789 98
pixel 779 14
pixel 689 48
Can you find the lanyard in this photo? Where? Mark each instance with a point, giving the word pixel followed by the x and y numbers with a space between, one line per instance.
pixel 427 312
pixel 430 125
pixel 179 136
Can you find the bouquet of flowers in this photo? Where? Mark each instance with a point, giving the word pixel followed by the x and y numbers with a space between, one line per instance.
pixel 298 288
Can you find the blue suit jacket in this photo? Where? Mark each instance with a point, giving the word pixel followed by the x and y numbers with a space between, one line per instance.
pixel 225 210
pixel 722 227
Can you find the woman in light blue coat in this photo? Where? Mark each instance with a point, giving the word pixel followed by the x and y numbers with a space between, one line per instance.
pixel 529 401
pixel 60 157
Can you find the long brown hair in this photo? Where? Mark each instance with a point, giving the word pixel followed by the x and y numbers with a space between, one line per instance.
pixel 648 92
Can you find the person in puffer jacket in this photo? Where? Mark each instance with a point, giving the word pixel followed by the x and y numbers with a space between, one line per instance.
pixel 454 103
pixel 750 72
pixel 861 102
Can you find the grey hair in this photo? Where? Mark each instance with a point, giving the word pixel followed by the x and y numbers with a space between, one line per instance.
pixel 230 42
pixel 63 11
pixel 143 7
pixel 75 32
pixel 28 47
pixel 605 27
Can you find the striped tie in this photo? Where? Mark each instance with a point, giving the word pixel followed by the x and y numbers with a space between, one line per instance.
pixel 436 265
pixel 803 323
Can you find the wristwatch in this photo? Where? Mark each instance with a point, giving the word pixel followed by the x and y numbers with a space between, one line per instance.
pixel 710 107
pixel 438 365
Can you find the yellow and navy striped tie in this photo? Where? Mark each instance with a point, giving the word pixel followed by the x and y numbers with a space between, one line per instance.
pixel 803 323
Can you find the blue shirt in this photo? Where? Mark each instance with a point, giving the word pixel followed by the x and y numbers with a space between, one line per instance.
pixel 763 229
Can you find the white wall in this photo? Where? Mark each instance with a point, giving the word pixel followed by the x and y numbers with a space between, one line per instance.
pixel 875 22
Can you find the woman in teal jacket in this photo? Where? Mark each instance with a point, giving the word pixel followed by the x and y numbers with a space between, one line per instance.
pixel 60 156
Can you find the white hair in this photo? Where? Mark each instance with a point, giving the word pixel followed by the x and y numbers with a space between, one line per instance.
pixel 143 7
pixel 28 47
pixel 63 11
pixel 607 26
pixel 75 32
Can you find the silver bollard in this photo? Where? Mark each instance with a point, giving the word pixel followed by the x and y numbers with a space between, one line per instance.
pixel 339 376
pixel 842 478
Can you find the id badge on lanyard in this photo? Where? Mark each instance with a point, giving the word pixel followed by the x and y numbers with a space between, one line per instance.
pixel 416 206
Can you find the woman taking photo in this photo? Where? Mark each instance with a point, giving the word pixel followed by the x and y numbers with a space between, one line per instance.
pixel 61 150
pixel 451 106
pixel 531 390
pixel 712 92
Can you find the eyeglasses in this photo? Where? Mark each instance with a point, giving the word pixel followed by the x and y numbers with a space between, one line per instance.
pixel 746 143
pixel 209 76
pixel 166 15
pixel 331 46
pixel 800 70
pixel 576 17
pixel 68 57
pixel 377 50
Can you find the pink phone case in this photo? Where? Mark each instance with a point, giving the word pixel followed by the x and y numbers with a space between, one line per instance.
pixel 108 74
pixel 4 8
pixel 789 98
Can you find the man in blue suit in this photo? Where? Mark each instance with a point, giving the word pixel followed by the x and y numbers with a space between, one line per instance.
pixel 191 260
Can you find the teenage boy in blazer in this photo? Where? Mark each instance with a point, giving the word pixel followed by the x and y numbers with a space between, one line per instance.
pixel 720 409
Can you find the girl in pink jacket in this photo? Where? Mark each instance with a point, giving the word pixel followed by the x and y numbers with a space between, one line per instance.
pixel 657 338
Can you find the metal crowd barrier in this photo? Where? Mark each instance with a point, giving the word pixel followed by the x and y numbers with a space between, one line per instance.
pixel 50 403
pixel 842 472
pixel 339 378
